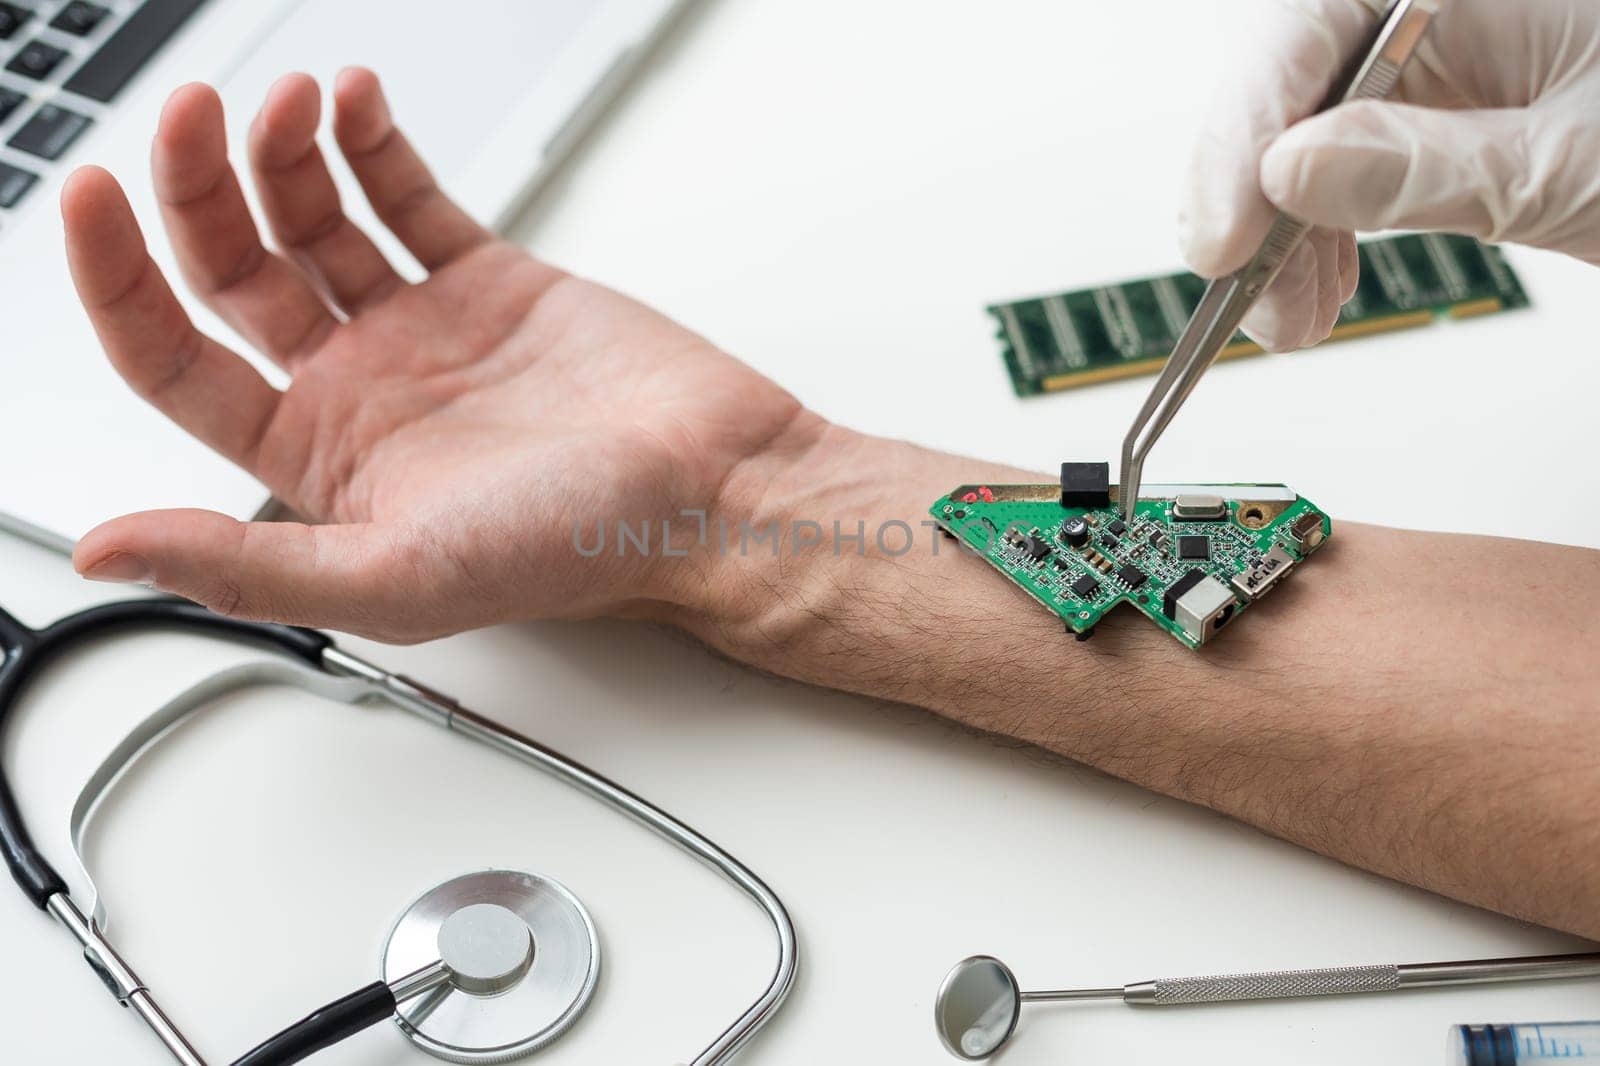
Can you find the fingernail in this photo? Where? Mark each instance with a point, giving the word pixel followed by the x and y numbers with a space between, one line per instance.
pixel 121 568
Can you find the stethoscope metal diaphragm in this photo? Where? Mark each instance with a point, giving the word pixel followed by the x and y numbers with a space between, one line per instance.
pixel 524 957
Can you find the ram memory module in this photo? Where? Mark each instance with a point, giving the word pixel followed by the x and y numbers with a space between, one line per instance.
pixel 1117 331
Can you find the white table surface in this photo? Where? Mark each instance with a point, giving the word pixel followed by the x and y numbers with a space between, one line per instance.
pixel 832 190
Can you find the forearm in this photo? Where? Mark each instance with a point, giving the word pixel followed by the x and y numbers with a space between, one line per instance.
pixel 1420 705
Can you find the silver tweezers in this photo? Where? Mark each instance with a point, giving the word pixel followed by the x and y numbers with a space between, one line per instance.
pixel 1227 300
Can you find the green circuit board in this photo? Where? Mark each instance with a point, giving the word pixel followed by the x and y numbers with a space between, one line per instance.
pixel 1193 559
pixel 1117 331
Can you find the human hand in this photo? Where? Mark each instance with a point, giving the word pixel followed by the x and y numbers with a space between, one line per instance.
pixel 447 433
pixel 1491 133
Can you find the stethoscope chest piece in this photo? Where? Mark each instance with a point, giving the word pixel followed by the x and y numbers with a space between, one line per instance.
pixel 523 957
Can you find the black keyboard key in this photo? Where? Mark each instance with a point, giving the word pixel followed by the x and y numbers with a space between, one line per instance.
pixel 79 18
pixel 120 58
pixel 49 132
pixel 11 19
pixel 36 60
pixel 14 181
pixel 9 99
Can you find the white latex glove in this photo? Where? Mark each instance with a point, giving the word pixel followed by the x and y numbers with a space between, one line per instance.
pixel 1494 131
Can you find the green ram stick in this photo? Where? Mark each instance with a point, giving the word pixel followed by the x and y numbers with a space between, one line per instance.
pixel 1117 331
pixel 1192 560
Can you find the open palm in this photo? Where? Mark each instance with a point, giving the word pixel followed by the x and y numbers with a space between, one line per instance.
pixel 445 436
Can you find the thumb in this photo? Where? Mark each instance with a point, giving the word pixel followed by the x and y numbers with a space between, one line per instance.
pixel 336 577
pixel 1500 175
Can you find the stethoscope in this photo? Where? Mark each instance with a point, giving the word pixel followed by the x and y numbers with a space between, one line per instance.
pixel 484 968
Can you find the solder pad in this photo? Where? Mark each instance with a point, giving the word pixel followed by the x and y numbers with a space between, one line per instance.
pixel 1006 523
pixel 1116 331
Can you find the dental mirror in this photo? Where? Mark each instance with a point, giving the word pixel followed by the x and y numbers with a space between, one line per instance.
pixel 979 1002
pixel 977 1008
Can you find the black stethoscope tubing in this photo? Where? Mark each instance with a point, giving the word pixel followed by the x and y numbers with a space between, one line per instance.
pixel 28 650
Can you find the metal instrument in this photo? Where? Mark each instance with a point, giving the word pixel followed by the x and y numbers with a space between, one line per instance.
pixel 484 968
pixel 1227 300
pixel 980 1001
pixel 1523 1045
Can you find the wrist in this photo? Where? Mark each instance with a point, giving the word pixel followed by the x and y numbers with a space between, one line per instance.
pixel 823 564
pixel 779 517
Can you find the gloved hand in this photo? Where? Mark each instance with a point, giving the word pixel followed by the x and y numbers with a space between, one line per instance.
pixel 1494 131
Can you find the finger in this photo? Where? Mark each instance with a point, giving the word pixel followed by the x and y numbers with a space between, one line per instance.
pixel 397 183
pixel 1326 244
pixel 219 251
pixel 193 380
pixel 1291 55
pixel 1497 175
pixel 330 577
pixel 1283 314
pixel 302 204
pixel 1349 267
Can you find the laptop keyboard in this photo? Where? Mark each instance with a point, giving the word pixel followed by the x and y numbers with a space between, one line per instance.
pixel 61 62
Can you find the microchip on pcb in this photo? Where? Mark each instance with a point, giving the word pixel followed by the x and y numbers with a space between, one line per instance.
pixel 1085 587
pixel 1035 547
pixel 1194 546
pixel 1086 485
pixel 1132 576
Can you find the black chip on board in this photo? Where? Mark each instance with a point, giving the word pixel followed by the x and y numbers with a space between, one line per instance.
pixel 1132 576
pixel 1191 546
pixel 1176 590
pixel 1085 587
pixel 1116 525
pixel 1086 485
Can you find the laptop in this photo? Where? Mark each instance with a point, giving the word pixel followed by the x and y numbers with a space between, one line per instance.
pixel 493 93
